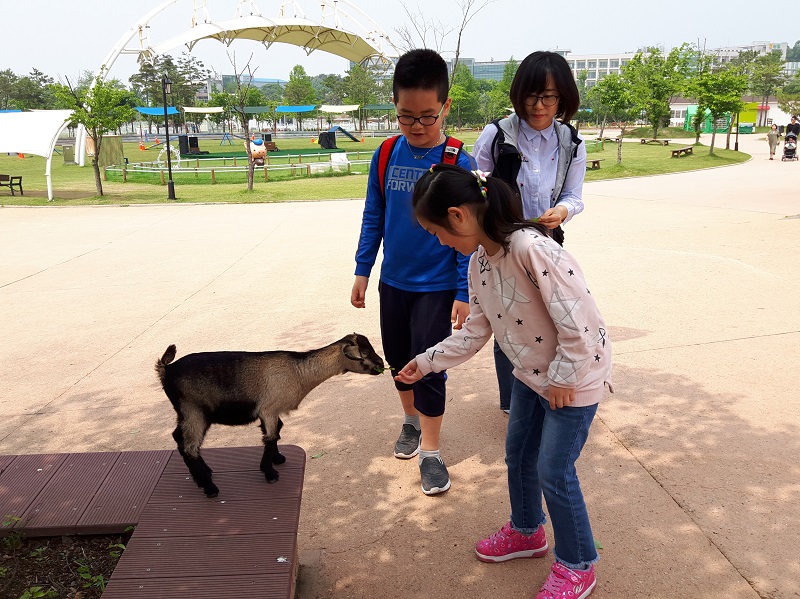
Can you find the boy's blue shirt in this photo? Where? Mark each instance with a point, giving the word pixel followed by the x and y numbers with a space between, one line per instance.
pixel 413 259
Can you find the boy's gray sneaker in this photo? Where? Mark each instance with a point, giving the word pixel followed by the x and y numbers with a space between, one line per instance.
pixel 407 445
pixel 435 478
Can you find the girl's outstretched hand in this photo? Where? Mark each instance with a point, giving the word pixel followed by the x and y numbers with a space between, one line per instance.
pixel 410 374
pixel 560 397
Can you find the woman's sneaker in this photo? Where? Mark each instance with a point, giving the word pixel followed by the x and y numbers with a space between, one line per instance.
pixel 407 445
pixel 565 583
pixel 508 544
pixel 433 473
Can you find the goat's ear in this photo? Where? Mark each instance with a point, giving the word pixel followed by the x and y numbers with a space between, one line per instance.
pixel 352 351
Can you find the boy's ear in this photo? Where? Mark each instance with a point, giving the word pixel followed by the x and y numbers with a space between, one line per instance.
pixel 446 109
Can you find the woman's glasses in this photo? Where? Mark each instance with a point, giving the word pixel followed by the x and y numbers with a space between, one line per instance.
pixel 547 100
pixel 426 121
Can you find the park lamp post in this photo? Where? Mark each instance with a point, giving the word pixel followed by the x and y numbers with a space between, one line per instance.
pixel 736 144
pixel 166 86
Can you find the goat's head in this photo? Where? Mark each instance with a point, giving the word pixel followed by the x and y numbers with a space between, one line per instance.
pixel 360 356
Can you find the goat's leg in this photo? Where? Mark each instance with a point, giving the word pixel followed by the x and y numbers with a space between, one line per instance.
pixel 189 435
pixel 270 427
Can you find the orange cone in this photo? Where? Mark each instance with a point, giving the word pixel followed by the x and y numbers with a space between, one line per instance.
pixel 20 155
pixel 312 139
pixel 362 139
pixel 157 142
pixel 141 145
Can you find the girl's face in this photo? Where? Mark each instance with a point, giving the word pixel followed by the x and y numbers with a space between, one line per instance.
pixel 464 234
pixel 539 116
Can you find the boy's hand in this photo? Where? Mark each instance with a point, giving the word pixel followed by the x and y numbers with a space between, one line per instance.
pixel 459 314
pixel 554 217
pixel 559 397
pixel 359 292
pixel 410 373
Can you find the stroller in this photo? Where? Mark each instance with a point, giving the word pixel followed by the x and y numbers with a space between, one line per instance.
pixel 790 147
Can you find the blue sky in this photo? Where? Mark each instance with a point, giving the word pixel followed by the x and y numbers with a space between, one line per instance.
pixel 64 38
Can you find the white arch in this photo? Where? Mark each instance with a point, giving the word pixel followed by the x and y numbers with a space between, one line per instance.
pixel 368 45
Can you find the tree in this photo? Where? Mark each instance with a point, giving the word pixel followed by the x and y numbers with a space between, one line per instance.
pixel 7 82
pixel 239 99
pixel 299 90
pixel 720 92
pixel 359 87
pixel 789 103
pixel 100 108
pixel 464 95
pixel 766 79
pixel 656 79
pixel 613 97
pixel 793 53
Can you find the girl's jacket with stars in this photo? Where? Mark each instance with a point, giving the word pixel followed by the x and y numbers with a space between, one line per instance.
pixel 535 300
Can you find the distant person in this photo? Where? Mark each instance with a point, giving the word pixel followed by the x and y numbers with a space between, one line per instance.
pixel 423 285
pixel 793 127
pixel 538 153
pixel 533 296
pixel 773 137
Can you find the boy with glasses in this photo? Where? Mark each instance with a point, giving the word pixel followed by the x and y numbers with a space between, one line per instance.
pixel 423 285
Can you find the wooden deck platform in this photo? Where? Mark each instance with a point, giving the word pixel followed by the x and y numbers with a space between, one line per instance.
pixel 242 543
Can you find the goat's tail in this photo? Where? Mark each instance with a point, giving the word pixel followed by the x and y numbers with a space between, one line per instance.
pixel 161 365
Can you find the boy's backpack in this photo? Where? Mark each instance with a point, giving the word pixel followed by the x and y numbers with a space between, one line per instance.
pixel 450 154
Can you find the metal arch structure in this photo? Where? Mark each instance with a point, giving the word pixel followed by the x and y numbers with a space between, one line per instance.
pixel 343 29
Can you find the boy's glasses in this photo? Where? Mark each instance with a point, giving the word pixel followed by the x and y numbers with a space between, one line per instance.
pixel 425 121
pixel 546 100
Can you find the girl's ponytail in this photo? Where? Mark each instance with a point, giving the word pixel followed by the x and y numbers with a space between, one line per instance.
pixel 497 206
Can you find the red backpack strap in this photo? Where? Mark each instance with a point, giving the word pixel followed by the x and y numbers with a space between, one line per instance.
pixel 384 153
pixel 452 150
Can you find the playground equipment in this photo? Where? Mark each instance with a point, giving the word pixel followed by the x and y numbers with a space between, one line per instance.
pixel 176 157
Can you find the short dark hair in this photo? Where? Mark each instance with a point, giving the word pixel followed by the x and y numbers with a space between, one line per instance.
pixel 421 69
pixel 531 78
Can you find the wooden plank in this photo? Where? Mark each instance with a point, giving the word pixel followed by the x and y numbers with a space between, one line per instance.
pixel 5 461
pixel 237 459
pixel 233 486
pixel 62 502
pixel 184 557
pixel 211 587
pixel 22 481
pixel 123 495
pixel 211 517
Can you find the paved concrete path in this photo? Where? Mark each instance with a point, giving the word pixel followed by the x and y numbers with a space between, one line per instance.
pixel 691 472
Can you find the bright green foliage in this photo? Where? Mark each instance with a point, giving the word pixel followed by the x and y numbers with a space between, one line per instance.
pixel 464 96
pixel 299 91
pixel 655 79
pixel 359 87
pixel 720 92
pixel 767 78
pixel 612 97
pixel 101 109
pixel 789 103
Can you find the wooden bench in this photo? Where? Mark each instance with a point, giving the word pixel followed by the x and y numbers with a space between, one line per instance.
pixel 593 163
pixel 12 181
pixel 681 151
pixel 661 142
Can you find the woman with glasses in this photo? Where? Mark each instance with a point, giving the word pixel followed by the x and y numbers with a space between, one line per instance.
pixel 538 153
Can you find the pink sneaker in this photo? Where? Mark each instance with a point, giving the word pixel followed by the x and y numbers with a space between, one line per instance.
pixel 564 583
pixel 508 544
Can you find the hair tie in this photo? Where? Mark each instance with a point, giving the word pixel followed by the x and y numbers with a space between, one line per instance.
pixel 431 169
pixel 481 177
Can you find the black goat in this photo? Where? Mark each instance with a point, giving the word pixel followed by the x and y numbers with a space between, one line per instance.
pixel 242 387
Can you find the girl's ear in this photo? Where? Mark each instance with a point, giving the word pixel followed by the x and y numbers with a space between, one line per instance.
pixel 456 214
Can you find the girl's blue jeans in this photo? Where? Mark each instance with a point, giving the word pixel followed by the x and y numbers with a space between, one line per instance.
pixel 542 446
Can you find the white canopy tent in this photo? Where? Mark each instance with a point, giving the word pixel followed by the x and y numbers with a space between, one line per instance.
pixel 35 133
pixel 338 108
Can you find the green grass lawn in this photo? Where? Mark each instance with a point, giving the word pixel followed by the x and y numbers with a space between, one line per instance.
pixel 73 185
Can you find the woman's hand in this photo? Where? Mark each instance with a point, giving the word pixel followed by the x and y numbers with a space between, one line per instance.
pixel 410 373
pixel 554 217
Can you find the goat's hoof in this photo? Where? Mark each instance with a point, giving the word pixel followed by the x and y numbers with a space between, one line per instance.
pixel 272 478
pixel 278 458
pixel 211 490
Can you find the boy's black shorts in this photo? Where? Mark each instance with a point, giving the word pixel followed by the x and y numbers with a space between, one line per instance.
pixel 411 322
